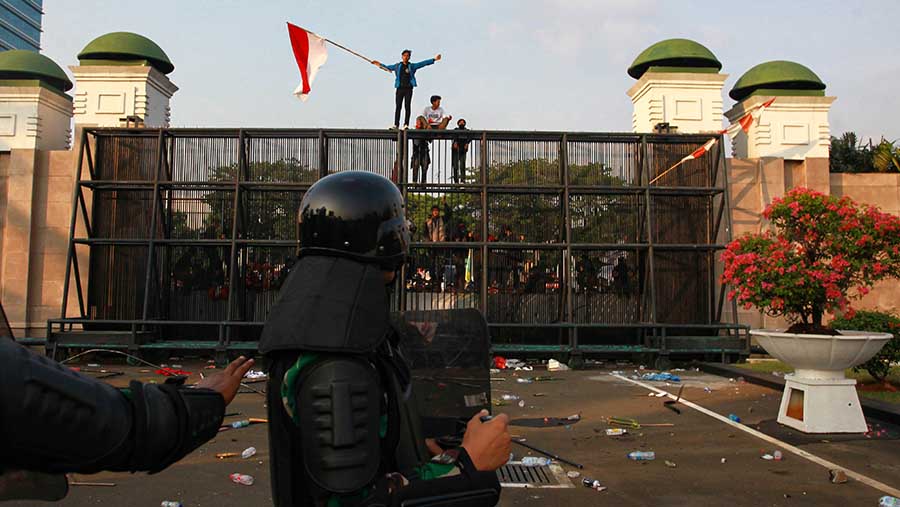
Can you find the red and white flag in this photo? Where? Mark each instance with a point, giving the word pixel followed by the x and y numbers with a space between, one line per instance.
pixel 310 53
pixel 699 152
pixel 743 123
pixel 750 117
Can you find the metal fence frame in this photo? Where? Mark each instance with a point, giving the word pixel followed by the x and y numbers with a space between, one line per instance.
pixel 145 160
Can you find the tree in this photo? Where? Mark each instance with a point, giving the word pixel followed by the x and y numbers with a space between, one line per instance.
pixel 825 251
pixel 886 157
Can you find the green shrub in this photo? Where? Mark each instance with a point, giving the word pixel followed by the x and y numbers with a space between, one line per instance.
pixel 880 365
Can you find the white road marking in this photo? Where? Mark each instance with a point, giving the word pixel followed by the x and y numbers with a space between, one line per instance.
pixel 880 486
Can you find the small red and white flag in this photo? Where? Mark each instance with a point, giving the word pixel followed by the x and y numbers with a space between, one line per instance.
pixel 745 122
pixel 310 53
pixel 699 152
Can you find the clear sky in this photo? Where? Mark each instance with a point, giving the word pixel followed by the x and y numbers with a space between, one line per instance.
pixel 508 64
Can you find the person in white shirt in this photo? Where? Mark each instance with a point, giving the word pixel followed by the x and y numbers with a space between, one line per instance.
pixel 435 114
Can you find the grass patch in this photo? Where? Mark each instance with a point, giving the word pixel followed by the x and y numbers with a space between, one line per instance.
pixel 862 377
pixel 890 397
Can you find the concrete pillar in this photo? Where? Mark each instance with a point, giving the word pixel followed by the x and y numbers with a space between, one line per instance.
pixel 692 102
pixel 107 93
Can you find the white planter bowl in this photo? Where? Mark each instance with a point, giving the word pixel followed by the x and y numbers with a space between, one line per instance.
pixel 818 398
pixel 821 356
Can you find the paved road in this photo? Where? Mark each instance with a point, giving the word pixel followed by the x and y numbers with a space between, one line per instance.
pixel 696 444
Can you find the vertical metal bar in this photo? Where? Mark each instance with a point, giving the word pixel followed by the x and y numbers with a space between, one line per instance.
pixel 645 169
pixel 401 180
pixel 323 154
pixel 726 195
pixel 568 267
pixel 484 225
pixel 71 248
pixel 78 288
pixel 235 216
pixel 151 234
pixel 90 158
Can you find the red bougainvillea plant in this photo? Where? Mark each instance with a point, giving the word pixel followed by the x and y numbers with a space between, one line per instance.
pixel 824 252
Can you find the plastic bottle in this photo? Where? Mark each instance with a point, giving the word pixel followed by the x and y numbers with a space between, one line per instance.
pixel 509 397
pixel 777 456
pixel 170 503
pixel 642 455
pixel 240 424
pixel 889 501
pixel 246 480
pixel 532 461
pixel 248 452
pixel 523 380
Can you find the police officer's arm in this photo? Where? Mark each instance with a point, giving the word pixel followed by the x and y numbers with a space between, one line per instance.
pixel 53 419
pixel 468 476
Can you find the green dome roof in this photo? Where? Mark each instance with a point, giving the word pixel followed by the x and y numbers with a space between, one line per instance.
pixel 126 46
pixel 29 65
pixel 778 75
pixel 674 53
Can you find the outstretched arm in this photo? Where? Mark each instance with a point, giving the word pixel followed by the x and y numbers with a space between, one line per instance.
pixel 56 420
pixel 389 68
pixel 425 63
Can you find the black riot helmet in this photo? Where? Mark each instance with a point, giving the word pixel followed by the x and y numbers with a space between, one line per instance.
pixel 354 214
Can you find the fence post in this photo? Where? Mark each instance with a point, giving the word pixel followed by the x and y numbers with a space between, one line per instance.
pixel 151 237
pixel 232 263
pixel 323 154
pixel 404 189
pixel 568 266
pixel 645 169
pixel 484 227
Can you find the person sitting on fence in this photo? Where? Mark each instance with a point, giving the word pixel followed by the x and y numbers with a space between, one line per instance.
pixel 458 155
pixel 435 114
pixel 421 156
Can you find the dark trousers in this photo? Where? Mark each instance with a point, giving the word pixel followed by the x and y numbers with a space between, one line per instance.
pixel 458 158
pixel 403 95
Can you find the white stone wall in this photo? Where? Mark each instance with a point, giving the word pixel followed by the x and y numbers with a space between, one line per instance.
pixel 105 94
pixel 690 101
pixel 32 118
pixel 792 128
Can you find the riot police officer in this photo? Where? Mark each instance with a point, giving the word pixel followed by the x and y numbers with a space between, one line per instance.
pixel 342 427
pixel 54 420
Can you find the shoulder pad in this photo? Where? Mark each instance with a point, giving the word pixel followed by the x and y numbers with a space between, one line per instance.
pixel 340 423
pixel 328 304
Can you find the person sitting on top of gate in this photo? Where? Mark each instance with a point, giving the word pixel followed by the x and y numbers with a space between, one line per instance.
pixel 435 114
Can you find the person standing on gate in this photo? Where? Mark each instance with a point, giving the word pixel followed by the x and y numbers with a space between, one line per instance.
pixel 458 155
pixel 404 81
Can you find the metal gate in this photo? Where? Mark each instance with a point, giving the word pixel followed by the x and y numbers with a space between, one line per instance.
pixel 180 238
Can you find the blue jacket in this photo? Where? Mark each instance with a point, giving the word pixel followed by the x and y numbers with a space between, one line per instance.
pixel 413 67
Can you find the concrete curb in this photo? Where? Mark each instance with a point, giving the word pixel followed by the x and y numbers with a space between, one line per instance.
pixel 888 412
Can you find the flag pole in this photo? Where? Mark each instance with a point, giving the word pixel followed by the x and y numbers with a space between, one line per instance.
pixel 667 171
pixel 354 53
pixel 749 112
